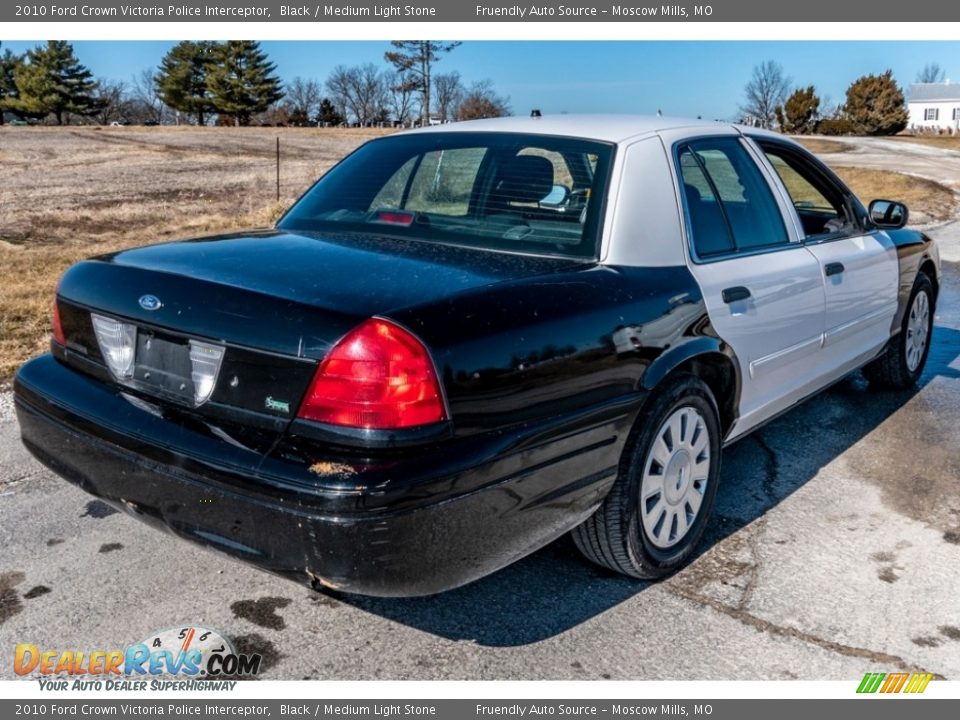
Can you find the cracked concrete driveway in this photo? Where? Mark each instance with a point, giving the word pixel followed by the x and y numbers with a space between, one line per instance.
pixel 835 549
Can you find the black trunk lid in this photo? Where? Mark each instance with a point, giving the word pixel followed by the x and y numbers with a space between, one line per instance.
pixel 276 302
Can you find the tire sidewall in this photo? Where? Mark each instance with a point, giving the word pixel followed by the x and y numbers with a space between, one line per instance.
pixel 921 284
pixel 686 391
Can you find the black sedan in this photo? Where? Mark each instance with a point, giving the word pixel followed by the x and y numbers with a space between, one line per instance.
pixel 464 342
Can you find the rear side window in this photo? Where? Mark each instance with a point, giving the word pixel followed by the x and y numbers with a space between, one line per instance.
pixel 729 203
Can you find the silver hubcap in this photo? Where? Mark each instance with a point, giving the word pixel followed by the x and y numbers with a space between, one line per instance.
pixel 675 477
pixel 918 330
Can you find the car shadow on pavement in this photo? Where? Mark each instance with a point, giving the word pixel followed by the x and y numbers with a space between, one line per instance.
pixel 555 589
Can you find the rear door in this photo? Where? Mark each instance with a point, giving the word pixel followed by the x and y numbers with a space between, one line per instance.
pixel 763 289
pixel 859 266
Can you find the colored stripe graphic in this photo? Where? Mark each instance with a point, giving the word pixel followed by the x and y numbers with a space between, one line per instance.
pixel 894 683
pixel 870 682
pixel 900 682
pixel 918 682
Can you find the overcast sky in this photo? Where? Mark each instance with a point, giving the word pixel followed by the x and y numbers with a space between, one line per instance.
pixel 687 78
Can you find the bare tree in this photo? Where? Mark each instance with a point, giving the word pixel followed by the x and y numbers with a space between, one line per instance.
pixel 112 105
pixel 481 101
pixel 448 90
pixel 766 91
pixel 302 101
pixel 359 92
pixel 146 102
pixel 415 58
pixel 401 97
pixel 931 73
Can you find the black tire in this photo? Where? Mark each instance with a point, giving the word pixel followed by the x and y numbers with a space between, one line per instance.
pixel 892 369
pixel 614 536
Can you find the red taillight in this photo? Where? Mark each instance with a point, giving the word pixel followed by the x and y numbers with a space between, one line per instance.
pixel 57 327
pixel 378 376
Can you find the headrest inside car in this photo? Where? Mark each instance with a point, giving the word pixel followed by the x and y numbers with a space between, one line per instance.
pixel 524 179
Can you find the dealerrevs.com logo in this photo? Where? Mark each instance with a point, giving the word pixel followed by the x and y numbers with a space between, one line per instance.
pixel 190 653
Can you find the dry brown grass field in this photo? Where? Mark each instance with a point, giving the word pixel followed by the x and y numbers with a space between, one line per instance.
pixel 819 145
pixel 69 193
pixel 929 201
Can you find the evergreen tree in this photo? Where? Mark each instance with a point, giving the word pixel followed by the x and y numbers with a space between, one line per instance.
pixel 328 114
pixel 875 105
pixel 242 80
pixel 8 85
pixel 799 114
pixel 52 80
pixel 182 78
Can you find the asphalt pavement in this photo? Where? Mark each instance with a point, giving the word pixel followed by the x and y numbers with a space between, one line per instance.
pixel 834 551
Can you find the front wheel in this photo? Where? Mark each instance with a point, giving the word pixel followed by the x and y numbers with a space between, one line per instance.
pixel 903 361
pixel 657 509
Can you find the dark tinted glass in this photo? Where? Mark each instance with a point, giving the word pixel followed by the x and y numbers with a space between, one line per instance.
pixel 503 191
pixel 737 206
pixel 708 225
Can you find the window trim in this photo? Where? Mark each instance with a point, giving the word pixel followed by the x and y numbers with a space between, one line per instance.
pixel 716 194
pixel 794 240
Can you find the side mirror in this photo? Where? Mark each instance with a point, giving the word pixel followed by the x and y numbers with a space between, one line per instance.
pixel 888 214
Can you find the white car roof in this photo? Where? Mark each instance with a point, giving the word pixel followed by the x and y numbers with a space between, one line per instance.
pixel 607 128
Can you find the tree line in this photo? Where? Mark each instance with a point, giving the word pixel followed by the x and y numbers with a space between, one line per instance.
pixel 235 83
pixel 874 104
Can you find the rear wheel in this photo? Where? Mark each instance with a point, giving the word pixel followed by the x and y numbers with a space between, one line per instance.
pixel 903 361
pixel 657 510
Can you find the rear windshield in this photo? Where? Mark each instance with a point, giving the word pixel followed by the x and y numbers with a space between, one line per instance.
pixel 501 191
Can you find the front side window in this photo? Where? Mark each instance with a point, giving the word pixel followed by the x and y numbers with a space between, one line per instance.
pixel 956 114
pixel 729 202
pixel 820 204
pixel 931 114
pixel 500 191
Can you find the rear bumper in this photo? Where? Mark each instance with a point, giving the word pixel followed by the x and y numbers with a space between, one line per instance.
pixel 403 524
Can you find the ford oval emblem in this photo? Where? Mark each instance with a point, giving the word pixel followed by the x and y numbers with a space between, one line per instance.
pixel 150 302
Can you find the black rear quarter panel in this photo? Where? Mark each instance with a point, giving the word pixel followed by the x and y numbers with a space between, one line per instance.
pixel 525 350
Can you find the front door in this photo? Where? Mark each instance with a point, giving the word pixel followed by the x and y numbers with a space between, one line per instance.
pixel 859 266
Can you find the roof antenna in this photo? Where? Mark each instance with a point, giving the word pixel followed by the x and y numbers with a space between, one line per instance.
pixel 535 113
pixel 659 113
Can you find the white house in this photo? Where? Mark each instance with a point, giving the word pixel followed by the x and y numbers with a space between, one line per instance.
pixel 935 106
